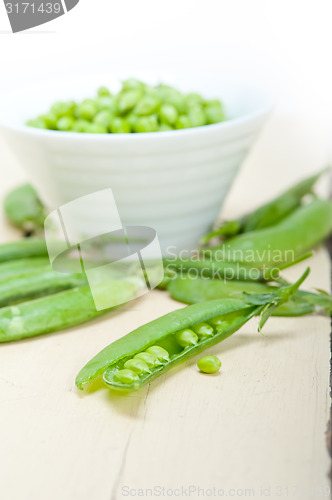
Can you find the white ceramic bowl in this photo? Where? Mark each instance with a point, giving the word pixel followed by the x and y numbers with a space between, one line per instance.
pixel 172 181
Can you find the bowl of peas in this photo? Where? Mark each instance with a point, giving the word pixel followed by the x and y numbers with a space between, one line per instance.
pixel 169 151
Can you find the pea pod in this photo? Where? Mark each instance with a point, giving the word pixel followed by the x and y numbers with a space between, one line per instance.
pixel 215 269
pixel 195 267
pixel 61 310
pixel 36 284
pixel 176 337
pixel 305 228
pixel 192 291
pixel 268 214
pixel 24 209
pixel 22 249
pixel 18 267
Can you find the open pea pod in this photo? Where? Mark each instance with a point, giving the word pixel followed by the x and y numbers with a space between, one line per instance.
pixel 152 349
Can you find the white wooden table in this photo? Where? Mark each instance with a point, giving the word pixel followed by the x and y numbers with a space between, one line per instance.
pixel 255 430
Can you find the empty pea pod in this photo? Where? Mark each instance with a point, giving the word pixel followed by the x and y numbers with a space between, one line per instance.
pixel 173 338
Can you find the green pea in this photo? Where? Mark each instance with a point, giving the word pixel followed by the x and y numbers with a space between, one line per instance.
pixel 87 109
pixel 168 114
pixel 147 106
pixel 81 126
pixel 186 338
pixel 103 91
pixel 183 122
pixel 159 353
pixel 214 112
pixel 36 123
pixel 126 376
pixel 197 116
pixel 60 109
pixel 104 118
pixel 137 365
pixel 105 102
pixel 95 128
pixel 163 127
pixel 132 83
pixel 65 124
pixel 169 95
pixel 217 320
pixel 203 330
pixel 148 358
pixel 50 120
pixel 214 103
pixel 209 364
pixel 132 120
pixel 193 99
pixel 146 124
pixel 120 126
pixel 127 100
